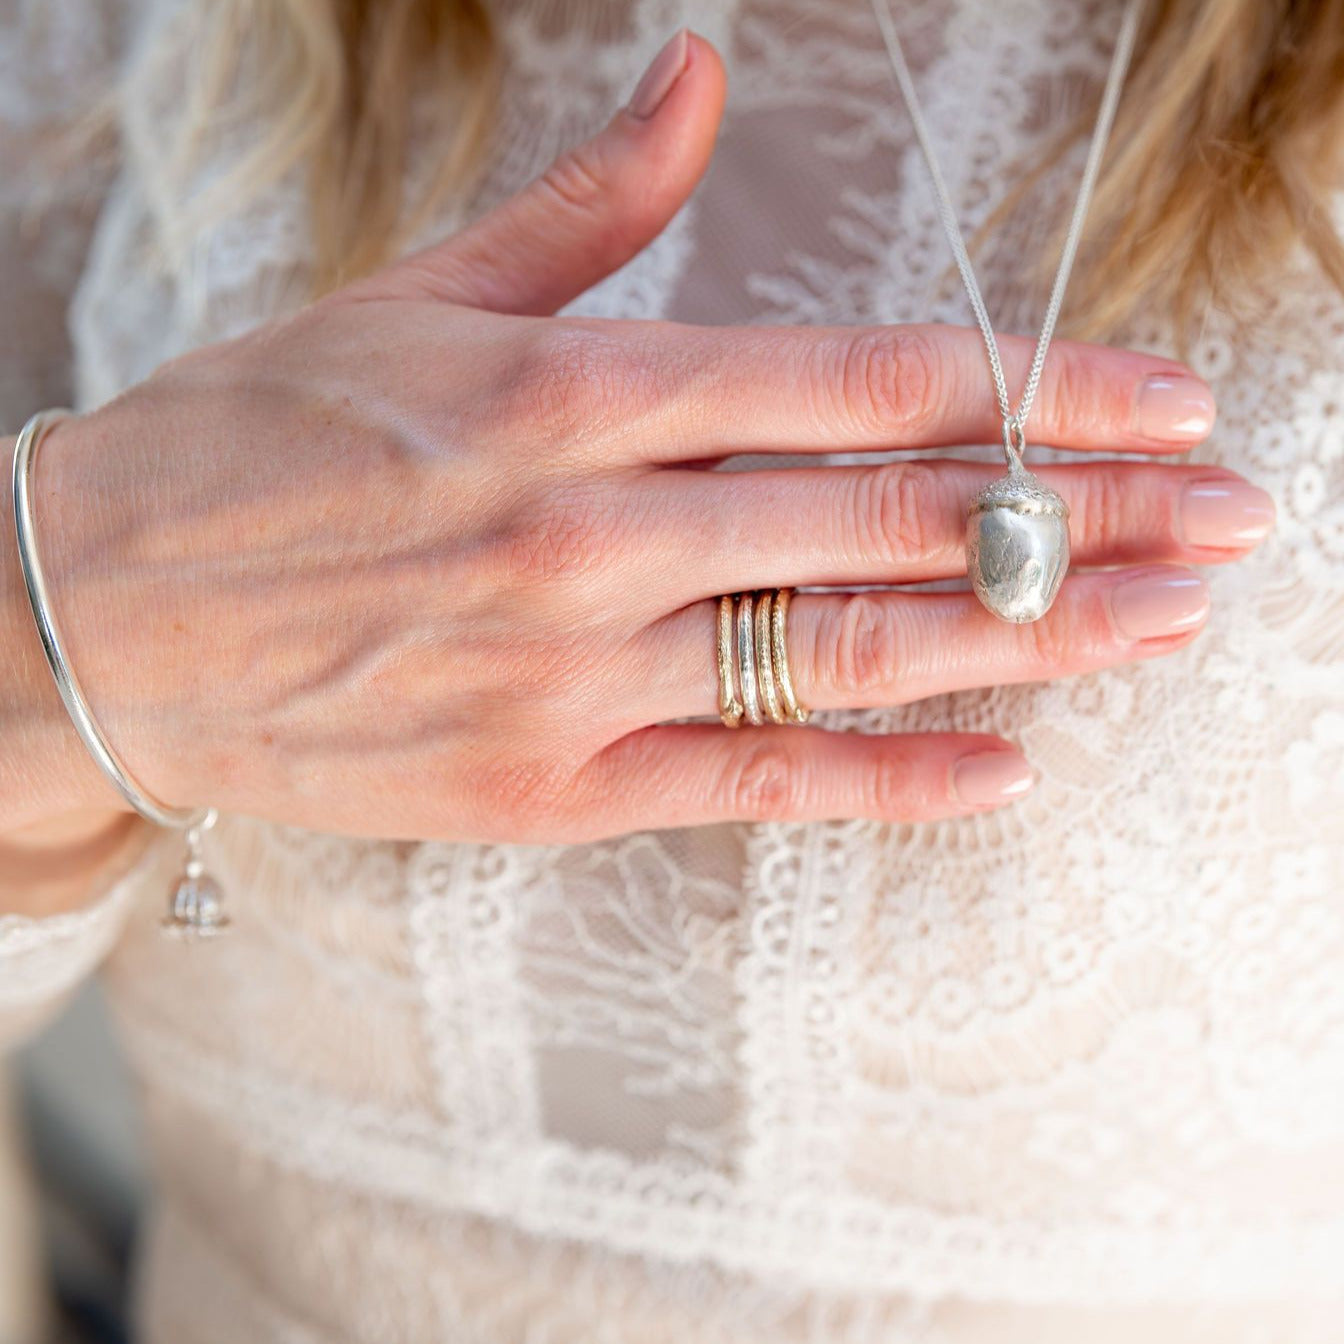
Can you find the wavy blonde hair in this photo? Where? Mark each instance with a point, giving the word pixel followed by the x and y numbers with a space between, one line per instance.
pixel 1225 151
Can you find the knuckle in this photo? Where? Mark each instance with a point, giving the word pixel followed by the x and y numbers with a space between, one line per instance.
pixel 617 211
pixel 764 784
pixel 576 180
pixel 564 538
pixel 574 382
pixel 863 646
pixel 889 786
pixel 569 381
pixel 1081 397
pixel 893 509
pixel 1101 511
pixel 1052 641
pixel 888 382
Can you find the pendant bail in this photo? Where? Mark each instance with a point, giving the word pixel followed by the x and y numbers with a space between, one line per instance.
pixel 1014 442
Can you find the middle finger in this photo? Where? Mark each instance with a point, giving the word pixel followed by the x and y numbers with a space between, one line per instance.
pixel 904 522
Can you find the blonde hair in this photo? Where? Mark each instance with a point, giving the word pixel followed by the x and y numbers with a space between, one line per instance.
pixel 338 84
pixel 1224 154
pixel 1227 147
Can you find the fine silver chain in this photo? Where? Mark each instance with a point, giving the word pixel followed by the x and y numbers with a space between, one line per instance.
pixel 1014 422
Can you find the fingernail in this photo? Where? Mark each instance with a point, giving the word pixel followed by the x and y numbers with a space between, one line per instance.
pixel 1160 602
pixel 1174 408
pixel 666 68
pixel 987 778
pixel 1225 513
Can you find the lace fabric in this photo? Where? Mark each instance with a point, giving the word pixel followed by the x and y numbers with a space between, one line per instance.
pixel 1075 1068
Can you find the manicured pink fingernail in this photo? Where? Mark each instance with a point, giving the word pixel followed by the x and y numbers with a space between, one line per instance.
pixel 666 68
pixel 1174 408
pixel 1159 602
pixel 1225 513
pixel 989 778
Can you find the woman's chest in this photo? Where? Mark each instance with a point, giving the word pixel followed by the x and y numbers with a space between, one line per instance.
pixel 1098 1005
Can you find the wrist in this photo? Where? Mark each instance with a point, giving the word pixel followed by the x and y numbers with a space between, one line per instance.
pixel 46 772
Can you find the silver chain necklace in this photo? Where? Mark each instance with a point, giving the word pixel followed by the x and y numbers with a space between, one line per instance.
pixel 1017 528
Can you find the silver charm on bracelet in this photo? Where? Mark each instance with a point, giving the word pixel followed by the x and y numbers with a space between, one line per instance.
pixel 196 904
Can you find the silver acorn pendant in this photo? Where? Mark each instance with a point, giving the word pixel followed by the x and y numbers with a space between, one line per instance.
pixel 1017 542
pixel 196 905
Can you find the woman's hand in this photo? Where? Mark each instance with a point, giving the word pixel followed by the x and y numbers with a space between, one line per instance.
pixel 422 561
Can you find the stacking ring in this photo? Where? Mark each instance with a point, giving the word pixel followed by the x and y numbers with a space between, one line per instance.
pixel 753 660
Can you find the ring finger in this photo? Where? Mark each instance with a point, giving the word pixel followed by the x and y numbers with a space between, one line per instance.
pixel 856 650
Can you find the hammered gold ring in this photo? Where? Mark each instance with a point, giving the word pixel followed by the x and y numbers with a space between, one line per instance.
pixel 753 660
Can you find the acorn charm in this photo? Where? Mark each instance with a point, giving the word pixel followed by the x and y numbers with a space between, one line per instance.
pixel 1017 545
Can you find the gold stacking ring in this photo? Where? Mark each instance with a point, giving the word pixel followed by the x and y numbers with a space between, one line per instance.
pixel 752 653
pixel 730 707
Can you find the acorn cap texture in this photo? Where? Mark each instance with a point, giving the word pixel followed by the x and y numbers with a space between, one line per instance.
pixel 1023 492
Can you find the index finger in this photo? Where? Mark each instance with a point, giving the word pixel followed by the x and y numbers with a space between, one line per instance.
pixel 717 391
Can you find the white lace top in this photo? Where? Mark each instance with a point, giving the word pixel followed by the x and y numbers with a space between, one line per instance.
pixel 1069 1070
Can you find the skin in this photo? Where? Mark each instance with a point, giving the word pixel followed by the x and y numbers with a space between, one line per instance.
pixel 424 560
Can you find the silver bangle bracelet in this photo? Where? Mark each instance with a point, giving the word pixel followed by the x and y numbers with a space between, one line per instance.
pixel 196 904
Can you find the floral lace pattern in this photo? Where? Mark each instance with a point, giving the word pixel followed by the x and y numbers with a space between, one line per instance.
pixel 1070 1067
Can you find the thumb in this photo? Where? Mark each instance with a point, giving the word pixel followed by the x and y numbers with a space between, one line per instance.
pixel 594 208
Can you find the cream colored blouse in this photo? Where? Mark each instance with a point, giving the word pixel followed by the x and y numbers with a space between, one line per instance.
pixel 1073 1070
